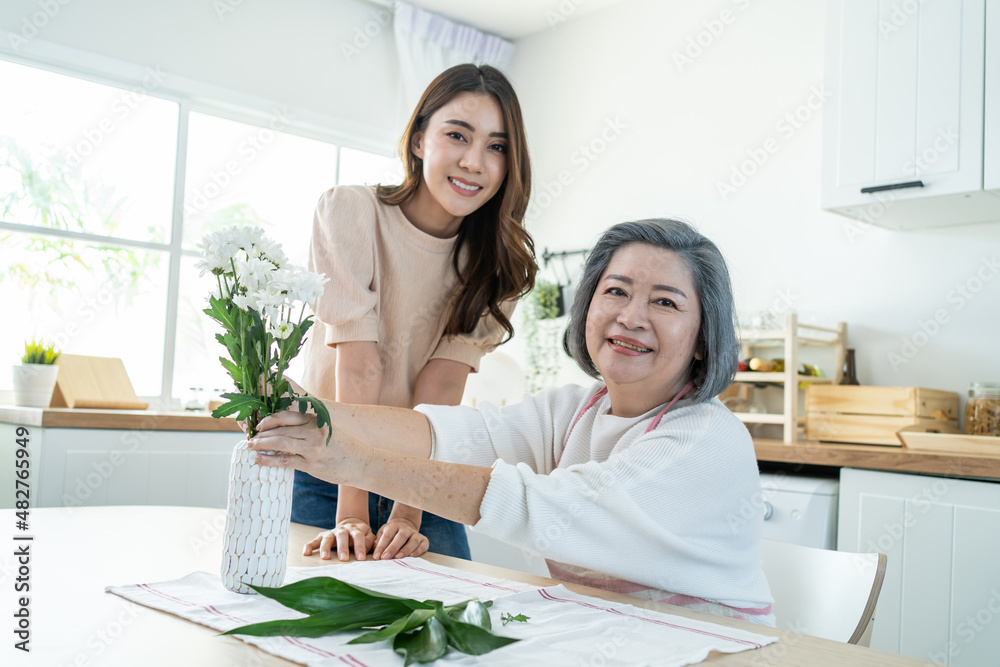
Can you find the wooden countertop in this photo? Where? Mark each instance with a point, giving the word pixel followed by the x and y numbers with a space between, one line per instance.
pixel 806 452
pixel 146 420
pixel 875 457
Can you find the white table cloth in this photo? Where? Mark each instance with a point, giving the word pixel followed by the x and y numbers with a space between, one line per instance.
pixel 564 628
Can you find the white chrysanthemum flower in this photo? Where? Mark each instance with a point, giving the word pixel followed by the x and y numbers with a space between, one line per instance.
pixel 282 330
pixel 244 301
pixel 247 236
pixel 301 285
pixel 271 251
pixel 253 273
pixel 216 253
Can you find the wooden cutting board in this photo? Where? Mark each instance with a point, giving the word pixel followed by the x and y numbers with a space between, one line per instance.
pixel 94 382
pixel 946 438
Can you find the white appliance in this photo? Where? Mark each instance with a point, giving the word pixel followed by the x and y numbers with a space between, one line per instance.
pixel 799 509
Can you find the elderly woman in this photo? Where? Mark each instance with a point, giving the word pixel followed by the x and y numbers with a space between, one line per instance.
pixel 639 484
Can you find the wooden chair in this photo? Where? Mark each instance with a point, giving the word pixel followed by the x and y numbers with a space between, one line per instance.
pixel 829 594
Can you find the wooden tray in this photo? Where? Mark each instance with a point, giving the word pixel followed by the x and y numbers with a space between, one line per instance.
pixel 947 438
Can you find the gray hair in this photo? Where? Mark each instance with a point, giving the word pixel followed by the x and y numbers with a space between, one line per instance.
pixel 717 334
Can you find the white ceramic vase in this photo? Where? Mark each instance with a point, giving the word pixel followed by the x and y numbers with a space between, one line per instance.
pixel 34 384
pixel 255 542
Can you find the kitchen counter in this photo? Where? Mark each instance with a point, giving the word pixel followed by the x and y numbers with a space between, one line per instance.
pixel 144 420
pixel 876 457
pixel 806 452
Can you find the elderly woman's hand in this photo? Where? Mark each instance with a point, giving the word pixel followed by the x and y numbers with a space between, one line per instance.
pixel 291 440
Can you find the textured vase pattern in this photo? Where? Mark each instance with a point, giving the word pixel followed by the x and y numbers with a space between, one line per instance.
pixel 255 543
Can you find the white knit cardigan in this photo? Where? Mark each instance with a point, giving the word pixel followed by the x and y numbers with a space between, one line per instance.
pixel 673 515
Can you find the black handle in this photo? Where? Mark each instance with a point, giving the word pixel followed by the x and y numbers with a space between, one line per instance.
pixel 894 186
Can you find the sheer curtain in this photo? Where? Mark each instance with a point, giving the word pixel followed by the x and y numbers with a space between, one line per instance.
pixel 428 44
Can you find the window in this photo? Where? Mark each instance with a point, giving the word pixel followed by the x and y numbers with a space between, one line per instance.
pixel 95 257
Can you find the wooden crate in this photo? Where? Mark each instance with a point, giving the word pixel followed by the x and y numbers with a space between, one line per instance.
pixel 872 415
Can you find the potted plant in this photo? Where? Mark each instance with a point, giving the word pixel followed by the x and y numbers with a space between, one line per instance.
pixel 35 378
pixel 260 300
pixel 543 335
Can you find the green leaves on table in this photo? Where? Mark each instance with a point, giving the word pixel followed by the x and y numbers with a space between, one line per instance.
pixel 421 631
pixel 507 618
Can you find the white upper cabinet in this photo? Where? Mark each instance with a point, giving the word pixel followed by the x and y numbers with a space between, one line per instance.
pixel 904 135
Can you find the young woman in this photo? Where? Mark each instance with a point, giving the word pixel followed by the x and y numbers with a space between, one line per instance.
pixel 637 484
pixel 423 277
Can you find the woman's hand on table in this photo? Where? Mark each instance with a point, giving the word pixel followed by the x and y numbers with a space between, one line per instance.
pixel 399 538
pixel 349 531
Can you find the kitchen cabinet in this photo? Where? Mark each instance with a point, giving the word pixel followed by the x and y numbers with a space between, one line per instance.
pixel 904 141
pixel 940 599
pixel 138 462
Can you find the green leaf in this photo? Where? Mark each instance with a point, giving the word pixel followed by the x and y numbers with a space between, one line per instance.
pixel 475 613
pixel 233 370
pixel 507 618
pixel 470 639
pixel 402 624
pixel 346 616
pixel 223 312
pixel 239 404
pixel 426 645
pixel 322 414
pixel 319 593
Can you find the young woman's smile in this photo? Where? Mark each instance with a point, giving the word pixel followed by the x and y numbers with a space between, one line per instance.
pixel 642 327
pixel 464 154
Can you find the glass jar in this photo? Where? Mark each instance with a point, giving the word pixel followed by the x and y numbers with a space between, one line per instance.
pixel 982 412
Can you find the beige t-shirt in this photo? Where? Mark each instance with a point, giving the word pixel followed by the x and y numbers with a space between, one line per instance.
pixel 390 283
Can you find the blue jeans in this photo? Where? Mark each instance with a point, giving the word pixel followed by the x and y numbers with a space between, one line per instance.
pixel 314 503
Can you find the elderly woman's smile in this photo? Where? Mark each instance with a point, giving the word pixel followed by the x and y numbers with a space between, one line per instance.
pixel 642 326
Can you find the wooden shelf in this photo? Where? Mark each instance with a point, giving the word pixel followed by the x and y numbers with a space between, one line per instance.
pixel 777 378
pixel 790 339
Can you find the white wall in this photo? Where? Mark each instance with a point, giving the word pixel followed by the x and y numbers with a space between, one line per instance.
pixel 684 129
pixel 312 56
pixel 678 133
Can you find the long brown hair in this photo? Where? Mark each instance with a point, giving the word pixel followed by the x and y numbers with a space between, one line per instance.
pixel 500 253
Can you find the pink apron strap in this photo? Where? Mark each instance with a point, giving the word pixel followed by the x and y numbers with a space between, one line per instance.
pixel 604 390
pixel 659 416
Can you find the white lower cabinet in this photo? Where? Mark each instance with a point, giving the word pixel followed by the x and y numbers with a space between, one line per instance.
pixel 940 600
pixel 84 467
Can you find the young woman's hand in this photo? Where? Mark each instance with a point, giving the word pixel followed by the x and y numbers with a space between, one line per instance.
pixel 399 538
pixel 349 531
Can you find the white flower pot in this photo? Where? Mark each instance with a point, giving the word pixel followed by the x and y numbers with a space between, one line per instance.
pixel 34 384
pixel 255 542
